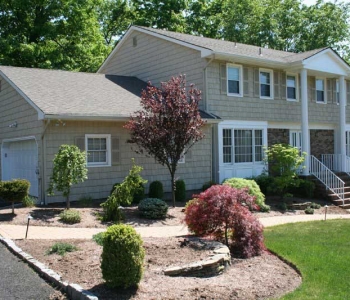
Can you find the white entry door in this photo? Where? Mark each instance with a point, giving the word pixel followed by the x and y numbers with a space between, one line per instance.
pixel 19 159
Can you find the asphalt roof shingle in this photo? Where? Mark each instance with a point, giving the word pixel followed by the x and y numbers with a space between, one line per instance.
pixel 228 47
pixel 78 94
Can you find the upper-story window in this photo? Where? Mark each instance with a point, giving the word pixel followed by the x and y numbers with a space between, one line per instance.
pixel 234 80
pixel 292 87
pixel 320 91
pixel 98 149
pixel 266 83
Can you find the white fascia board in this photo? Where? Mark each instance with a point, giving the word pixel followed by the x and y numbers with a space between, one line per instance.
pixel 243 124
pixel 86 118
pixel 238 58
pixel 19 91
pixel 204 51
pixel 297 126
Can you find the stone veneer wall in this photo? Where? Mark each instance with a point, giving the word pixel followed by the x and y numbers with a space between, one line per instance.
pixel 321 142
pixel 277 136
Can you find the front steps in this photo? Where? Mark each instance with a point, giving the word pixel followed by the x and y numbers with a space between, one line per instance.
pixel 335 199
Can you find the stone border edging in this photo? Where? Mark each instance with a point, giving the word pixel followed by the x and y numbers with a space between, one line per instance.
pixel 73 291
pixel 214 265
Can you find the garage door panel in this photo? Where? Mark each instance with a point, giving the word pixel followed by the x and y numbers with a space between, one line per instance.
pixel 20 160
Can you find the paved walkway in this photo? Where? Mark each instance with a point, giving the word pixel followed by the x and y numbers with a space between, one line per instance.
pixel 41 232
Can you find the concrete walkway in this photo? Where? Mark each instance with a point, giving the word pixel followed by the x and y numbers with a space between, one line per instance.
pixel 40 232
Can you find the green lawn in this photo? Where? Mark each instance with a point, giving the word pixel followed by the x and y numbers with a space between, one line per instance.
pixel 321 251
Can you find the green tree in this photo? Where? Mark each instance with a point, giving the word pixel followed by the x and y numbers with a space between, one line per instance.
pixel 69 167
pixel 53 34
pixel 114 17
pixel 284 161
pixel 167 14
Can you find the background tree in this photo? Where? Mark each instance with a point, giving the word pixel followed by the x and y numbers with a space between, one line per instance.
pixel 69 167
pixel 169 123
pixel 51 34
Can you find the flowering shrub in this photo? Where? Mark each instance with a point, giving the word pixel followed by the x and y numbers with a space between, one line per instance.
pixel 222 212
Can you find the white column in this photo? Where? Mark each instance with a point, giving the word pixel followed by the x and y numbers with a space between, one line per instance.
pixel 305 120
pixel 342 120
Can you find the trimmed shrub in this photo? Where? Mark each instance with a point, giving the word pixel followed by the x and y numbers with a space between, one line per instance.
pixel 309 211
pixel 253 190
pixel 153 208
pixel 156 190
pixel 61 249
pixel 265 183
pixel 14 191
pixel 70 216
pixel 302 188
pixel 122 257
pixel 315 205
pixel 221 212
pixel 28 201
pixel 207 185
pixel 98 238
pixel 180 192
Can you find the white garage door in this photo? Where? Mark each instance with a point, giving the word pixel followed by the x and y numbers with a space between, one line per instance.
pixel 19 159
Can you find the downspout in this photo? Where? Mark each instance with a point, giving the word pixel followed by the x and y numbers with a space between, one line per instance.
pixel 43 162
pixel 206 82
pixel 206 110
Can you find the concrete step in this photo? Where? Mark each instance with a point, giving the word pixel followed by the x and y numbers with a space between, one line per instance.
pixel 345 206
pixel 339 202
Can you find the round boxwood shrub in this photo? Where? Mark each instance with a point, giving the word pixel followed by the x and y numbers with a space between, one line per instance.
pixel 156 190
pixel 70 216
pixel 122 256
pixel 180 191
pixel 253 190
pixel 153 208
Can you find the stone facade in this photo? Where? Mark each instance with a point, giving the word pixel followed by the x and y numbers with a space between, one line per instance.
pixel 321 142
pixel 277 136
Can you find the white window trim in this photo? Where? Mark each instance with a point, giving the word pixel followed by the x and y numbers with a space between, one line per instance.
pixel 240 94
pixel 324 90
pixel 108 163
pixel 296 87
pixel 271 83
pixel 233 125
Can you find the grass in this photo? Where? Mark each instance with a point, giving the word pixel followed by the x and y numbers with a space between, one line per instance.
pixel 61 249
pixel 321 251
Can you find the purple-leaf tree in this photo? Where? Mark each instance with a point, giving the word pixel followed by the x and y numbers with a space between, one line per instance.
pixel 169 123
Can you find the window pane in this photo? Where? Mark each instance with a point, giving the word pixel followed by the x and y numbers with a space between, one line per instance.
pixel 258 145
pixel 265 90
pixel 97 150
pixel 291 93
pixel 233 87
pixel 319 85
pixel 243 146
pixel 291 81
pixel 233 73
pixel 227 145
pixel 320 96
pixel 265 77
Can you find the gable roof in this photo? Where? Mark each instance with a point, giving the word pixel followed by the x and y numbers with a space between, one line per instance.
pixel 230 50
pixel 64 94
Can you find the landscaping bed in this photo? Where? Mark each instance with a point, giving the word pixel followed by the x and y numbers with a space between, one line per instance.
pixel 260 277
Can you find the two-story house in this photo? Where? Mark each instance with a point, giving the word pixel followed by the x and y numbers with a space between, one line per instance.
pixel 252 97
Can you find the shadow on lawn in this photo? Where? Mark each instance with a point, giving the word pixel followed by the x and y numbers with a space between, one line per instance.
pixel 103 292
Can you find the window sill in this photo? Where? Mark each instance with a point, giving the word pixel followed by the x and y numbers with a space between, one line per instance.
pixel 321 102
pixel 98 166
pixel 266 98
pixel 293 100
pixel 234 95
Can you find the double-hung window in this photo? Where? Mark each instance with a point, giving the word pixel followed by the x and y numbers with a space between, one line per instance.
pixel 234 80
pixel 320 91
pixel 291 87
pixel 242 145
pixel 98 149
pixel 266 83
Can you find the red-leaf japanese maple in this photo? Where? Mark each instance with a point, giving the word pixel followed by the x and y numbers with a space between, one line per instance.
pixel 169 123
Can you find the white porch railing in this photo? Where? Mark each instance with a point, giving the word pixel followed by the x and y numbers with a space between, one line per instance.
pixel 336 163
pixel 327 177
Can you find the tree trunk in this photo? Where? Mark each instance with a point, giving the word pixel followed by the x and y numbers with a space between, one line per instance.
pixel 173 187
pixel 67 203
pixel 13 207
